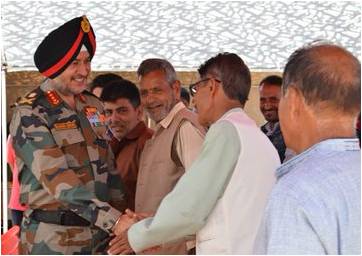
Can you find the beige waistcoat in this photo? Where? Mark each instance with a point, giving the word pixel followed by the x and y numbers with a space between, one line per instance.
pixel 160 169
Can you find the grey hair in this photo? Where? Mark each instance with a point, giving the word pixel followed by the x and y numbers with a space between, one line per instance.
pixel 323 78
pixel 150 65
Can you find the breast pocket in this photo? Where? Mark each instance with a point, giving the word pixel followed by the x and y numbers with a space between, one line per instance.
pixel 73 145
pixel 100 131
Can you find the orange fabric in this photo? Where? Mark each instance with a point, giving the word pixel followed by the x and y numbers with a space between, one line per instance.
pixel 14 202
pixel 92 41
pixel 10 241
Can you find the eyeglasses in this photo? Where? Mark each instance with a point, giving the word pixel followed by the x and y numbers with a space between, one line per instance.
pixel 195 86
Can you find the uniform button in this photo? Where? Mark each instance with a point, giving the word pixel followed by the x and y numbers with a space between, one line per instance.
pixel 105 225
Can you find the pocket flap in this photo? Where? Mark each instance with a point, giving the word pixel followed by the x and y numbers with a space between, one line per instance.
pixel 67 137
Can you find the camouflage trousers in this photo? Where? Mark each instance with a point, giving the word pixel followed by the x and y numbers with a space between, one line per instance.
pixel 44 238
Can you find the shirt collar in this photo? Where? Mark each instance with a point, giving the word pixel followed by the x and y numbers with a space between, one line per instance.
pixel 231 111
pixel 337 144
pixel 271 127
pixel 170 116
pixel 136 131
pixel 244 117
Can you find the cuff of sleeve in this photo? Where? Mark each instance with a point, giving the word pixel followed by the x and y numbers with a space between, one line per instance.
pixel 136 237
pixel 107 219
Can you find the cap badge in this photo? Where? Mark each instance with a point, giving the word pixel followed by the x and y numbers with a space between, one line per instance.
pixel 85 25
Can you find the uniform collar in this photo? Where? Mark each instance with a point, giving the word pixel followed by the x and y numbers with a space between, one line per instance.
pixel 46 85
pixel 48 88
pixel 53 98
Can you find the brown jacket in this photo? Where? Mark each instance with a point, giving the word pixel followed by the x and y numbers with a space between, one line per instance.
pixel 128 153
pixel 160 169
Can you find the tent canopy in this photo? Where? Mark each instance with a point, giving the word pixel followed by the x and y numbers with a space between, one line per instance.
pixel 186 33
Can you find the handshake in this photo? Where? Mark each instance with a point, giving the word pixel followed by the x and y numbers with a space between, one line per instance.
pixel 119 244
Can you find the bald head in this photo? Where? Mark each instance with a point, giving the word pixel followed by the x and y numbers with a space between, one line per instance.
pixel 325 74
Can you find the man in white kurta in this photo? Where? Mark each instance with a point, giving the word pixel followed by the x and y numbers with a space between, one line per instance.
pixel 222 196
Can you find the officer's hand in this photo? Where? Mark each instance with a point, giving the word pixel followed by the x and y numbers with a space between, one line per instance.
pixel 120 244
pixel 137 216
pixel 123 224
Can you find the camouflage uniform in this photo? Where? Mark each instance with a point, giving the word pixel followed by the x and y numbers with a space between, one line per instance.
pixel 64 163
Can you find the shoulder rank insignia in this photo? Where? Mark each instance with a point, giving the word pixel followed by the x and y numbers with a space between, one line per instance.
pixel 53 98
pixel 28 99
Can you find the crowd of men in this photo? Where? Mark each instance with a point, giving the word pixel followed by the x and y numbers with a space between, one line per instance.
pixel 206 180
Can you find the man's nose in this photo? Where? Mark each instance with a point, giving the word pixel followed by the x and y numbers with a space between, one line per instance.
pixel 149 99
pixel 267 105
pixel 84 69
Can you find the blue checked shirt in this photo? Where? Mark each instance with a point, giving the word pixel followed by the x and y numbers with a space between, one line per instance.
pixel 315 207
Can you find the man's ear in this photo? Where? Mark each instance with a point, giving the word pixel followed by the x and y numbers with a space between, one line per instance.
pixel 296 101
pixel 215 86
pixel 139 112
pixel 176 87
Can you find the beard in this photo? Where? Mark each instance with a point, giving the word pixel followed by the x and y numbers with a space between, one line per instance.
pixel 163 110
pixel 67 89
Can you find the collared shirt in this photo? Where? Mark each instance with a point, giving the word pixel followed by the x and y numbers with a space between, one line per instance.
pixel 188 139
pixel 184 211
pixel 127 153
pixel 270 128
pixel 274 133
pixel 315 208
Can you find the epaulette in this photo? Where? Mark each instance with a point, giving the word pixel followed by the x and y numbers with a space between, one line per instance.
pixel 29 99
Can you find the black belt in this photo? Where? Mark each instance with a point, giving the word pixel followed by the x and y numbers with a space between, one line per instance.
pixel 64 218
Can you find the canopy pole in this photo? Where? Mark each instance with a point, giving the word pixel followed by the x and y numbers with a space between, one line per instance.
pixel 3 150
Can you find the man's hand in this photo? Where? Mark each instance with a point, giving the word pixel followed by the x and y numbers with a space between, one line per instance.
pixel 152 250
pixel 123 224
pixel 120 244
pixel 137 216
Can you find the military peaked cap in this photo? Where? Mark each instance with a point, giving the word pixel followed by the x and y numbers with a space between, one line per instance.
pixel 61 46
